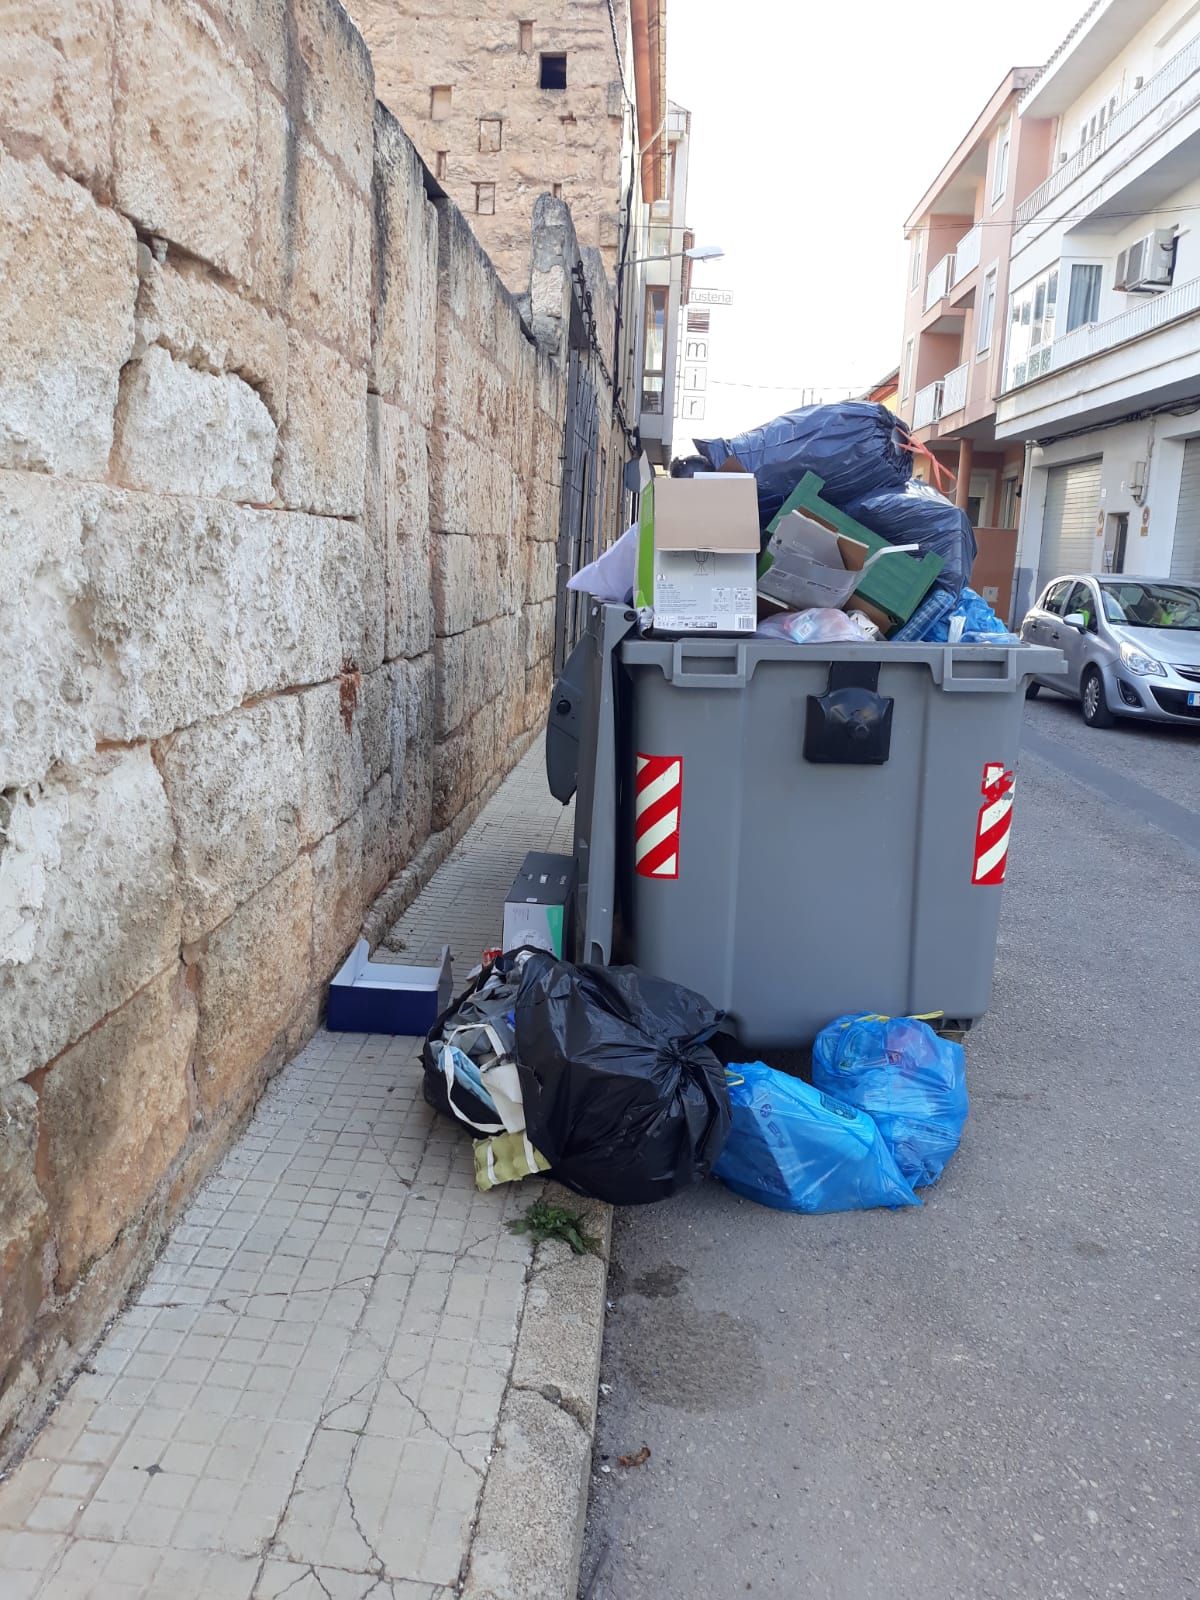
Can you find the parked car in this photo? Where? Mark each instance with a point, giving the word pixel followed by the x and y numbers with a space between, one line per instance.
pixel 1132 646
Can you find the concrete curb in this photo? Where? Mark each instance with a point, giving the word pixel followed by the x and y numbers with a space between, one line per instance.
pixel 528 1536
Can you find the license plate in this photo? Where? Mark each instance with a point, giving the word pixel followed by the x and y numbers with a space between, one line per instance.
pixel 1194 697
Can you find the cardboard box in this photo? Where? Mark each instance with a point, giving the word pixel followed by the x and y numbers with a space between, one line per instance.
pixel 538 910
pixel 383 997
pixel 813 566
pixel 698 553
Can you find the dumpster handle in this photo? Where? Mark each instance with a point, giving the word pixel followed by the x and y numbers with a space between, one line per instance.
pixel 972 683
pixel 689 657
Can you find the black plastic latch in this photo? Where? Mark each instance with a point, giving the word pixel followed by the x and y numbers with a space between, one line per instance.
pixel 850 724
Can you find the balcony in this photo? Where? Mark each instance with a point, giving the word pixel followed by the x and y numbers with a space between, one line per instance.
pixel 966 256
pixel 954 389
pixel 927 405
pixel 1096 337
pixel 937 285
pixel 1172 89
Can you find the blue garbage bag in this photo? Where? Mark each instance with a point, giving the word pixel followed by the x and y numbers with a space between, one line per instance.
pixel 854 447
pixel 795 1149
pixel 910 1081
pixel 915 513
pixel 978 619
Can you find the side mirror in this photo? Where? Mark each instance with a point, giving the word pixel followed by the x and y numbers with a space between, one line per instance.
pixel 1076 619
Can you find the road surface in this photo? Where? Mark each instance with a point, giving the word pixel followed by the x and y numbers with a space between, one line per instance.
pixel 994 1397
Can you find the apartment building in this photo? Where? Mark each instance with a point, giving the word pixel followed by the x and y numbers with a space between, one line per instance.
pixel 956 310
pixel 667 276
pixel 1101 379
pixel 509 101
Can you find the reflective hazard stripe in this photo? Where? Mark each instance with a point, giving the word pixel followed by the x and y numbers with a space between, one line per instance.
pixel 657 815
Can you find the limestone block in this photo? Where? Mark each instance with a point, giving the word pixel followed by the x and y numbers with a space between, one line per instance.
pixel 89 905
pixel 541 580
pixel 335 773
pixel 378 840
pixel 547 449
pixel 180 431
pixel 114 1112
pixel 276 156
pixel 68 267
pixel 450 665
pixel 397 526
pixel 235 789
pixel 539 631
pixel 413 701
pixel 44 706
pixel 207 326
pixel 480 508
pixel 184 145
pixel 323 442
pixel 253 975
pixel 56 81
pixel 404 347
pixel 24 1227
pixel 338 896
pixel 331 256
pixel 455 575
pixel 336 84
pixel 455 250
pixel 454 775
pixel 262 32
pixel 449 471
pixel 375 724
pixel 456 401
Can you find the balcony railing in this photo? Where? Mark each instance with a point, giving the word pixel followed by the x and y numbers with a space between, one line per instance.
pixel 954 389
pixel 1094 338
pixel 938 282
pixel 966 256
pixel 927 405
pixel 1180 71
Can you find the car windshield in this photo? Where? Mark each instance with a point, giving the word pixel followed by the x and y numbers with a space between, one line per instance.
pixel 1152 605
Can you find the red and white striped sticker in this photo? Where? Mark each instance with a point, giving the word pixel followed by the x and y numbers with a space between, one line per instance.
pixel 994 826
pixel 657 811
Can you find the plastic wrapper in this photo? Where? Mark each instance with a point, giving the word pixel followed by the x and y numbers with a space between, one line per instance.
pixel 854 447
pixel 796 1149
pixel 611 576
pixel 912 1083
pixel 818 625
pixel 622 1094
pixel 917 514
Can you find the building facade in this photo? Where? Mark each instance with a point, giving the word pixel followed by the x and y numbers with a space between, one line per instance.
pixel 667 274
pixel 1101 381
pixel 956 310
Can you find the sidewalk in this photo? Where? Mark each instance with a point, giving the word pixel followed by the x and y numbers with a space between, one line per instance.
pixel 306 1396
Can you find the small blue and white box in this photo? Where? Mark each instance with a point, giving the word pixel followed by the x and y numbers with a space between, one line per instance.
pixel 381 997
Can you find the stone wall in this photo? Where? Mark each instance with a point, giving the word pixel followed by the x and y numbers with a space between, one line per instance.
pixel 279 481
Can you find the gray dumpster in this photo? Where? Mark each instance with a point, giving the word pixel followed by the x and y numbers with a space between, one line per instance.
pixel 795 831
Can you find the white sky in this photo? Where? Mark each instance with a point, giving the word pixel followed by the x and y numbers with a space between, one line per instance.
pixel 816 128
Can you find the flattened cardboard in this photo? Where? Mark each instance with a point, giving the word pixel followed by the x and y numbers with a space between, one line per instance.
pixel 712 511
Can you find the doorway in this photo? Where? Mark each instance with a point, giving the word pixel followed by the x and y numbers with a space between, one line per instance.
pixel 1116 533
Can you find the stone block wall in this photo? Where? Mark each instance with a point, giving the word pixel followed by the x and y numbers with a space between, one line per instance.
pixel 279 484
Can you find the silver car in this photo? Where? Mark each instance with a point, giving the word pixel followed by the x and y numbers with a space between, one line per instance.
pixel 1132 646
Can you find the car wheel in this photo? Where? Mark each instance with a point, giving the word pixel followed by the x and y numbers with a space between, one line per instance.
pixel 1032 690
pixel 1095 706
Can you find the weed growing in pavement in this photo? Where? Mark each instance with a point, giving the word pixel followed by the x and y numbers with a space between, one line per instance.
pixel 545 1221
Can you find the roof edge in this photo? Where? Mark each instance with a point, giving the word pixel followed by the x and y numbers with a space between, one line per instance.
pixel 1014 83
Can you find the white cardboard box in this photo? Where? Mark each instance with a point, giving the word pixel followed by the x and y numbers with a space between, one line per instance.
pixel 698 553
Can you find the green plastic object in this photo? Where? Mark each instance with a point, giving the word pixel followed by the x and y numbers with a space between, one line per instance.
pixel 897 587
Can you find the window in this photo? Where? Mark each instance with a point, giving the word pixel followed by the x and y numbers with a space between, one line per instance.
pixel 915 280
pixel 1082 599
pixel 491 134
pixel 1008 502
pixel 439 101
pixel 485 199
pixel 553 74
pixel 525 38
pixel 906 379
pixel 1003 145
pixel 1083 302
pixel 654 364
pixel 1053 599
pixel 987 312
pixel 443 156
pixel 1032 311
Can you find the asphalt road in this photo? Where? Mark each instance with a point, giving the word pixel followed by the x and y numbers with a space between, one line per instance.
pixel 996 1395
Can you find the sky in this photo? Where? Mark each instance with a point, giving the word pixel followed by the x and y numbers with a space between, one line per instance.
pixel 816 128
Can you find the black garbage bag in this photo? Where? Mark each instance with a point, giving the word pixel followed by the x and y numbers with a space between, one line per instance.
pixel 854 447
pixel 918 514
pixel 622 1095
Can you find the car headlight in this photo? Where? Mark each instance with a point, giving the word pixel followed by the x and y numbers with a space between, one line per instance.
pixel 1137 661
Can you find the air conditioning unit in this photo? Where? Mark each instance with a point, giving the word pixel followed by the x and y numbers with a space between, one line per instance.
pixel 1148 264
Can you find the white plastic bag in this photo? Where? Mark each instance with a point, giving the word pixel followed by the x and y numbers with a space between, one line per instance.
pixel 611 576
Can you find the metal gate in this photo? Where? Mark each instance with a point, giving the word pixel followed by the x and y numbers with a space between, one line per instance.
pixel 580 517
pixel 1069 521
pixel 1185 553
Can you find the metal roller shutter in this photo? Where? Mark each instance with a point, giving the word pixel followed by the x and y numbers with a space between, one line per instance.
pixel 1069 520
pixel 1185 552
